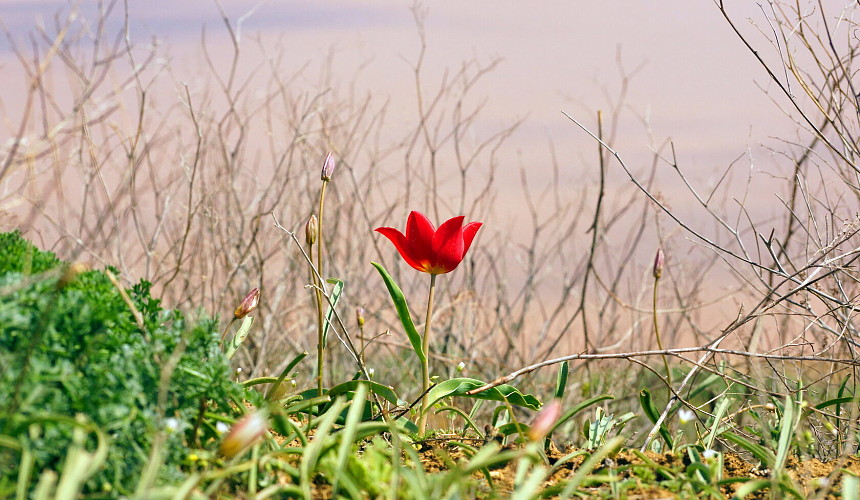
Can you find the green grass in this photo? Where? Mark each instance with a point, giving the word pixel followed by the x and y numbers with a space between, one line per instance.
pixel 93 405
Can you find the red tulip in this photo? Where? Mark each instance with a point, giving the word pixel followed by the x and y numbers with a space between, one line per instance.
pixel 431 250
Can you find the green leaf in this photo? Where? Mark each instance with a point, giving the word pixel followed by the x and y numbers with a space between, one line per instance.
pixel 589 464
pixel 241 335
pixel 578 408
pixel 599 428
pixel 334 297
pixel 348 433
pixel 653 415
pixel 314 450
pixel 750 487
pixel 402 311
pixel 837 402
pixel 561 379
pixel 850 487
pixel 504 392
pixel 764 455
pixel 786 433
pixel 292 364
pixel 716 428
pixel 512 428
pixel 469 422
pixel 386 392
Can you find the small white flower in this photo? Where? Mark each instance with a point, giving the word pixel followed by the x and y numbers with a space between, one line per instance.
pixel 709 453
pixel 460 366
pixel 222 427
pixel 686 416
pixel 370 372
pixel 171 424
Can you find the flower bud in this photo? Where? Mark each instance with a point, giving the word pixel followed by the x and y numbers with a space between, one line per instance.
pixel 359 316
pixel 243 434
pixel 545 420
pixel 249 303
pixel 659 260
pixel 328 167
pixel 311 230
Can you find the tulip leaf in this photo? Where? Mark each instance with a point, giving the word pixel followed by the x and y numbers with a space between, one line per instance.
pixel 239 337
pixel 352 386
pixel 504 392
pixel 334 296
pixel 653 415
pixel 402 311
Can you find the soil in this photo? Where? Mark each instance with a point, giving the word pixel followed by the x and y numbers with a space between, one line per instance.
pixel 810 475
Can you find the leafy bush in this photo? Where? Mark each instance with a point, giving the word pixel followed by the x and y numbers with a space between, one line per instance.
pixel 70 348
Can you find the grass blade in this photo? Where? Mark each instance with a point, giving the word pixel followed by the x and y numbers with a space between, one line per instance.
pixel 347 435
pixel 312 452
pixel 786 433
pixel 589 464
pixel 760 452
pixel 578 408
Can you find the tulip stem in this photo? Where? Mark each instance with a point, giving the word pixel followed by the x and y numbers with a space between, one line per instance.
pixel 227 329
pixel 318 279
pixel 657 334
pixel 425 365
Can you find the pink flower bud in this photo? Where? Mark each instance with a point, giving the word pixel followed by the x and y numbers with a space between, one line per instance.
pixel 244 433
pixel 328 167
pixel 249 303
pixel 545 420
pixel 659 260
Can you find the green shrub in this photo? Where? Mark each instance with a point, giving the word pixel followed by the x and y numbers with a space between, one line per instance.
pixel 69 349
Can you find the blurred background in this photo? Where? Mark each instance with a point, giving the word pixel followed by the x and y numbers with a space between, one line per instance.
pixel 164 138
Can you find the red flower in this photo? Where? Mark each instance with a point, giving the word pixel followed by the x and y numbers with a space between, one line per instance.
pixel 431 250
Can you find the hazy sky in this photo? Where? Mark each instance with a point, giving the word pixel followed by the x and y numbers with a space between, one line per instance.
pixel 692 80
pixel 695 82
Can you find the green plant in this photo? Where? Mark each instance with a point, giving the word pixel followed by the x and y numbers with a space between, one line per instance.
pixel 80 347
pixel 432 251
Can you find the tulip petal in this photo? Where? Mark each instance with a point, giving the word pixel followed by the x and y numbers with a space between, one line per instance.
pixel 469 232
pixel 448 245
pixel 402 245
pixel 419 233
